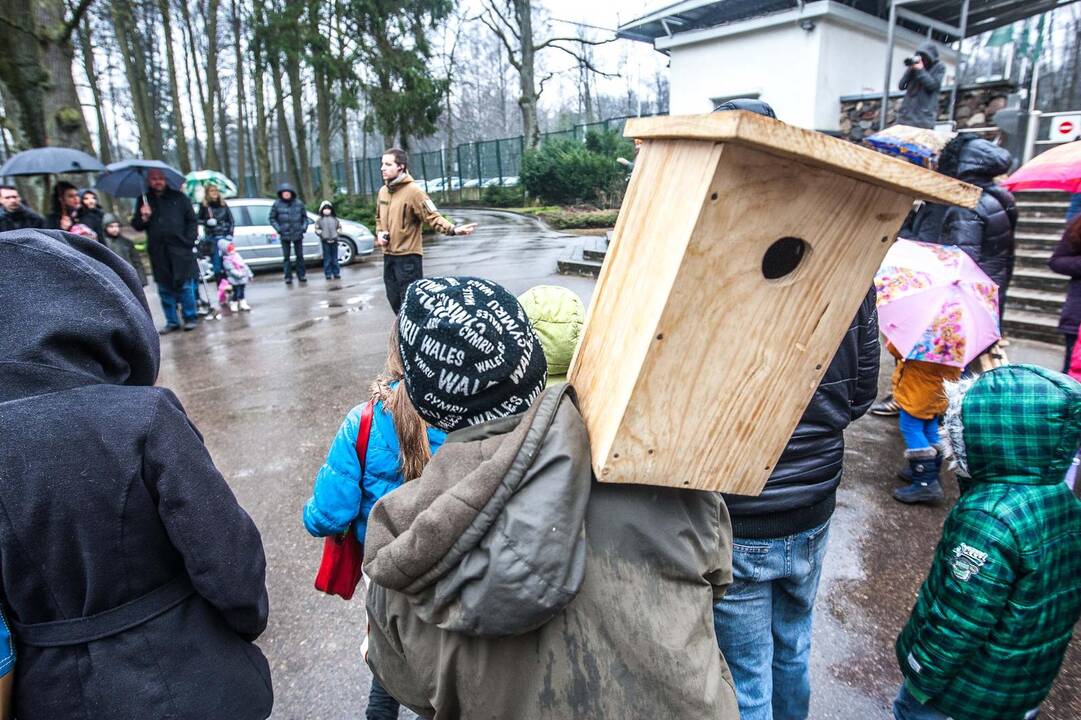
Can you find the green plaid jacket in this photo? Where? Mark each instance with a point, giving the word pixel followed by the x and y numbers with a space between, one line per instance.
pixel 993 619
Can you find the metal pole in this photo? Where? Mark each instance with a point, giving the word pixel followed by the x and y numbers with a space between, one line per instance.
pixel 960 66
pixel 889 67
pixel 499 162
pixel 1033 125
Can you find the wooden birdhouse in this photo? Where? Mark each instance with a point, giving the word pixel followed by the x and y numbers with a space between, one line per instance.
pixel 742 252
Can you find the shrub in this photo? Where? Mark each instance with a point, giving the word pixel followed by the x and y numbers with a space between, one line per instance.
pixel 568 171
pixel 353 207
pixel 503 196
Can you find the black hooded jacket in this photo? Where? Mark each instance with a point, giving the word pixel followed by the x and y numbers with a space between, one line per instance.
pixel 289 217
pixel 919 108
pixel 109 497
pixel 985 232
pixel 801 492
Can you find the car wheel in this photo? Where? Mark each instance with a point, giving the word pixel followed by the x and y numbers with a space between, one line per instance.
pixel 347 251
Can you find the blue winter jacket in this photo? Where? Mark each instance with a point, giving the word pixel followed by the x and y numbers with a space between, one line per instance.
pixel 340 497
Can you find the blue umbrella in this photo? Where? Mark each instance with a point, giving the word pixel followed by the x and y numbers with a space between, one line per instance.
pixel 50 161
pixel 127 178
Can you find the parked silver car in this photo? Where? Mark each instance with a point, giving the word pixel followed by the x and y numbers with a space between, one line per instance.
pixel 260 247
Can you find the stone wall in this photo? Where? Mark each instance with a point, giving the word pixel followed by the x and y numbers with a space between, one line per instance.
pixel 976 107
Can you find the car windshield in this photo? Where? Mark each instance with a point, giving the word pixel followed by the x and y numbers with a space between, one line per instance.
pixel 259 214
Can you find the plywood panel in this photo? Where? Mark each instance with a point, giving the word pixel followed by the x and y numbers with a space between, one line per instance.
pixel 660 211
pixel 811 148
pixel 732 359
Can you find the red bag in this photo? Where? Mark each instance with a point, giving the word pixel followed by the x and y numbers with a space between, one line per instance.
pixel 343 555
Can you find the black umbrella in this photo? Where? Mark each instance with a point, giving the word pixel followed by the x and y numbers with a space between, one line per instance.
pixel 50 161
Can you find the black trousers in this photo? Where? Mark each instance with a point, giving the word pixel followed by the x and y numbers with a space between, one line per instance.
pixel 296 245
pixel 398 272
pixel 1069 340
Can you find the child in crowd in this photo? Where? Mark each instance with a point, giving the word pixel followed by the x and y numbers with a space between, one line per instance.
pixel 327 227
pixel 122 246
pixel 918 390
pixel 994 617
pixel 237 272
pixel 399 447
pixel 557 316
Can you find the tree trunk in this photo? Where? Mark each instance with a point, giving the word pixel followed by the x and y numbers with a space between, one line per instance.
pixel 527 99
pixel 130 42
pixel 174 89
pixel 210 156
pixel 319 58
pixel 347 150
pixel 283 127
pixel 241 101
pixel 262 140
pixel 223 126
pixel 189 60
pixel 296 95
pixel 105 153
pixel 210 83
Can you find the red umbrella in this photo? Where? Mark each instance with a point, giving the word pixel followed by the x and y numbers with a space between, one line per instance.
pixel 1057 169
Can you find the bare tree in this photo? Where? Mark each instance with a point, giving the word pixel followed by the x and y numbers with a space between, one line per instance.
pixel 174 89
pixel 512 22
pixel 105 153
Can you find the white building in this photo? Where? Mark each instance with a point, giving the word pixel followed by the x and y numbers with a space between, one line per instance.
pixel 800 57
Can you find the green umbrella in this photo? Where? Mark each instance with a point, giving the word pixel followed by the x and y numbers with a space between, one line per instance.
pixel 195 184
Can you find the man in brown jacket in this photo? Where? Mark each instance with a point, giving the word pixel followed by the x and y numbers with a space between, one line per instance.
pixel 400 214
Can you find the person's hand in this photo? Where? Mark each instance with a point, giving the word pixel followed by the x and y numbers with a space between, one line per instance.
pixel 465 229
pixel 382 238
pixel 918 65
pixel 65 222
pixel 145 212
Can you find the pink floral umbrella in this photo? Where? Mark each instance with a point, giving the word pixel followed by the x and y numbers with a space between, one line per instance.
pixel 935 304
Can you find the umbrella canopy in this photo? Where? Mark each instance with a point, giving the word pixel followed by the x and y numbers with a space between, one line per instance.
pixel 935 304
pixel 50 161
pixel 195 184
pixel 127 178
pixel 1057 169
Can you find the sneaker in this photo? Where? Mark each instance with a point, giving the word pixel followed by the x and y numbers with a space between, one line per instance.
pixel 166 329
pixel 303 280
pixel 886 407
pixel 337 277
pixel 288 281
pixel 190 324
pixel 234 306
pixel 245 306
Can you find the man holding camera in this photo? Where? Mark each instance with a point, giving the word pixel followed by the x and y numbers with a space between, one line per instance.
pixel 921 83
pixel 401 212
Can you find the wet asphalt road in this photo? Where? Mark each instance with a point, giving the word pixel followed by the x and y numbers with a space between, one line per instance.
pixel 268 390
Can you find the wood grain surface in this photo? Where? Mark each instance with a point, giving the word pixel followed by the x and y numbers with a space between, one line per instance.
pixel 809 147
pixel 694 369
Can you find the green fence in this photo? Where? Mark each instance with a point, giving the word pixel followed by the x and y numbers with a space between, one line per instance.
pixel 458 174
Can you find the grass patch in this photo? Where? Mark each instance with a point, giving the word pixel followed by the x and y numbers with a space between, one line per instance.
pixel 572 218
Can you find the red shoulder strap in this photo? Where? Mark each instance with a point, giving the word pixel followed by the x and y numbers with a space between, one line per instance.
pixel 364 433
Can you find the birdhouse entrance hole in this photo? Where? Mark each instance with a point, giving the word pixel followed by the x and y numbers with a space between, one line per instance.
pixel 783 257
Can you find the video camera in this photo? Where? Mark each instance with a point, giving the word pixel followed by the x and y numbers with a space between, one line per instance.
pixel 913 60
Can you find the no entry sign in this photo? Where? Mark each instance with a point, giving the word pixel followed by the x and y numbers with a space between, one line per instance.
pixel 1065 128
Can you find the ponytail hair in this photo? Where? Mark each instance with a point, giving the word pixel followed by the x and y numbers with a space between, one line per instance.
pixel 409 426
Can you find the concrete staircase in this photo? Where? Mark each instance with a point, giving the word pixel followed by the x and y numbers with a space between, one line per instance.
pixel 586 256
pixel 1036 294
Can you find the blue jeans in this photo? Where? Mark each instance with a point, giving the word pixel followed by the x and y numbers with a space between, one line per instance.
pixel 185 296
pixel 907 707
pixel 763 622
pixel 381 704
pixel 330 261
pixel 918 433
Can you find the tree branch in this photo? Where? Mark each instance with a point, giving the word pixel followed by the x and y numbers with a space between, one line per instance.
pixel 506 43
pixel 540 87
pixel 580 41
pixel 584 62
pixel 490 8
pixel 73 23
